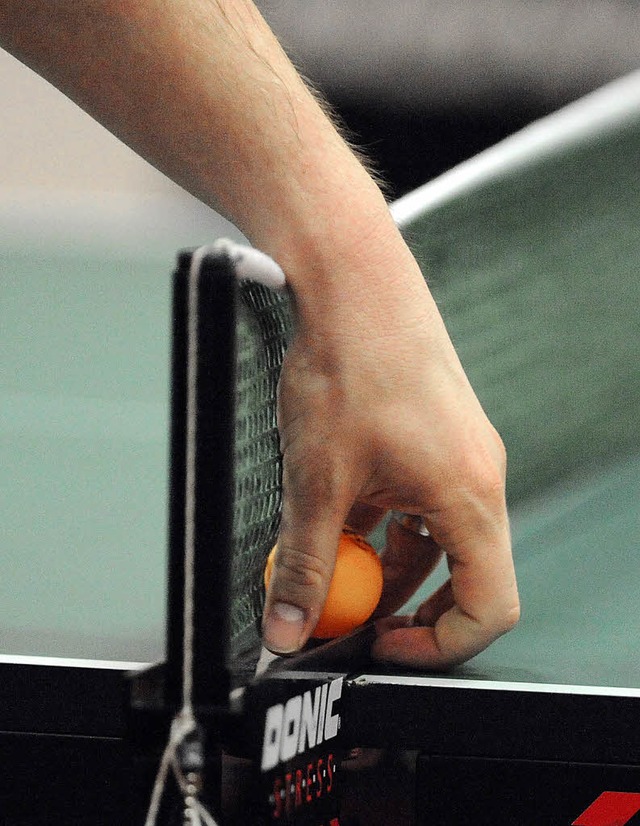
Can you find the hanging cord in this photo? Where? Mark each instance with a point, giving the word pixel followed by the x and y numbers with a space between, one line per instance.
pixel 184 756
pixel 184 753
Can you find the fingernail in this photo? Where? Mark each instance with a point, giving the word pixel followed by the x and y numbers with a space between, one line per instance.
pixel 282 628
pixel 415 524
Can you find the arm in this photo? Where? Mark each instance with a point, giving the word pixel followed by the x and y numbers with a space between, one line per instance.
pixel 374 405
pixel 202 90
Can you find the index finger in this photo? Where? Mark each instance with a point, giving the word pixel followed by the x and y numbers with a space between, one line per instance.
pixel 408 558
pixel 477 605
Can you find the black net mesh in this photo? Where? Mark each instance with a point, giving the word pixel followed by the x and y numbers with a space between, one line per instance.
pixel 263 328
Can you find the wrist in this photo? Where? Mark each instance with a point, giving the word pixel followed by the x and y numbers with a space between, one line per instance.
pixel 351 259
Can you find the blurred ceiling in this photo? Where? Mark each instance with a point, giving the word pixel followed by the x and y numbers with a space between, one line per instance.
pixel 449 53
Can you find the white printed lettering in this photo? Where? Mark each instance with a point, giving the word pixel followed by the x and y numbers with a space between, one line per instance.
pixel 332 720
pixel 290 728
pixel 309 721
pixel 304 722
pixel 271 741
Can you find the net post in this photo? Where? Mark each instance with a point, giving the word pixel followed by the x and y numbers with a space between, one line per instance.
pixel 212 477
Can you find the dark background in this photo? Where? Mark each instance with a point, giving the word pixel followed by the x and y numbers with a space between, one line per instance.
pixel 409 147
pixel 424 84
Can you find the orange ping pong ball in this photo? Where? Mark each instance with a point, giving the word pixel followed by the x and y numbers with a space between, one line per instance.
pixel 355 589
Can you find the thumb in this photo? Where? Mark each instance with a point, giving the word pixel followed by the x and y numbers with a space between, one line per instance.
pixel 312 521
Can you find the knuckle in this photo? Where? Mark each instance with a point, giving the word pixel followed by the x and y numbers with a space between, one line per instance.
pixel 316 483
pixel 500 451
pixel 485 466
pixel 486 482
pixel 476 475
pixel 318 489
pixel 506 620
pixel 303 572
pixel 512 617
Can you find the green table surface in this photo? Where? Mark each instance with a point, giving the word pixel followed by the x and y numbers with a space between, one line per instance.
pixel 83 441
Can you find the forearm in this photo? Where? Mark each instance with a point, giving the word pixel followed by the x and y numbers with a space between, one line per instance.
pixel 203 91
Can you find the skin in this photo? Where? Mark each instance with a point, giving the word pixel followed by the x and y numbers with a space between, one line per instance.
pixel 375 410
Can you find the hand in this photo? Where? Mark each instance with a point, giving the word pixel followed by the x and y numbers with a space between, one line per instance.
pixel 375 412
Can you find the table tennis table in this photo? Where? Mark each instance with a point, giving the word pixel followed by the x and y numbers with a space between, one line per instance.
pixel 532 251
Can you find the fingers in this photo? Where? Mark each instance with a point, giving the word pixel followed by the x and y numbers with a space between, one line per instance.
pixel 407 560
pixel 363 518
pixel 312 521
pixel 433 608
pixel 476 606
pixel 480 601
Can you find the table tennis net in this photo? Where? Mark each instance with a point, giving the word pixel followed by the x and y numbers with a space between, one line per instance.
pixel 263 327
